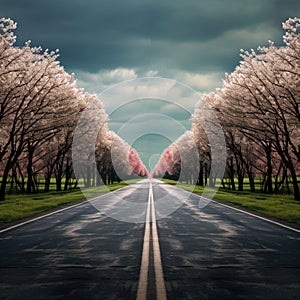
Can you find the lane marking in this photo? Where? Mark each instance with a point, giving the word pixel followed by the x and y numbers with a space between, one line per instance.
pixel 258 217
pixel 143 280
pixel 158 271
pixel 41 217
pixel 58 211
pixel 159 276
pixel 250 214
pixel 240 210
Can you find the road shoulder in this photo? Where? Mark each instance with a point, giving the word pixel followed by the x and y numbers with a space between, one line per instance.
pixel 258 214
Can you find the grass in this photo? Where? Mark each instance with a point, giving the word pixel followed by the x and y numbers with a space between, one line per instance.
pixel 16 207
pixel 20 206
pixel 282 207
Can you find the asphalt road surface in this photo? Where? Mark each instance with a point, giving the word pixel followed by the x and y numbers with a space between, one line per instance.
pixel 215 252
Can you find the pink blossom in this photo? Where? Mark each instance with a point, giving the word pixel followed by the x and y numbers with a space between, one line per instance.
pixel 163 164
pixel 136 164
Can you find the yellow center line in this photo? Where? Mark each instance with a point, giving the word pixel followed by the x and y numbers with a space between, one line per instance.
pixel 159 277
pixel 143 281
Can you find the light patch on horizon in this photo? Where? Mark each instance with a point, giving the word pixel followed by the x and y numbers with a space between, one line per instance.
pixel 144 116
pixel 150 147
pixel 104 79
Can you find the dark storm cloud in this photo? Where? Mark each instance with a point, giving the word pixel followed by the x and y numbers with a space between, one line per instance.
pixel 191 35
pixel 106 42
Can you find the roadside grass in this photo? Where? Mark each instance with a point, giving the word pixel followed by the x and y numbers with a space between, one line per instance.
pixel 16 207
pixel 281 206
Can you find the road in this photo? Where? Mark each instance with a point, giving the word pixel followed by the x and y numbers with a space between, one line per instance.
pixel 215 252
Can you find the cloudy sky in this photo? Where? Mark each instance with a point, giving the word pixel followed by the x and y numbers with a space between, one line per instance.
pixel 105 42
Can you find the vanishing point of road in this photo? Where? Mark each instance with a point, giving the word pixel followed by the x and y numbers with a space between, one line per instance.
pixel 215 252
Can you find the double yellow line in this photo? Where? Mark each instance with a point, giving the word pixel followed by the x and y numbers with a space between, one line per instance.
pixel 151 228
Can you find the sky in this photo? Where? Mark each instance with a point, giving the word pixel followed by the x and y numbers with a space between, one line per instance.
pixel 106 42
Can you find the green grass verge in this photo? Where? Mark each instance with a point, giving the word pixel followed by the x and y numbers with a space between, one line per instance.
pixel 16 207
pixel 283 207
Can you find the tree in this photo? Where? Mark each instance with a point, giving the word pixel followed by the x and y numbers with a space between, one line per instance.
pixel 260 99
pixel 39 108
pixel 258 107
pixel 180 160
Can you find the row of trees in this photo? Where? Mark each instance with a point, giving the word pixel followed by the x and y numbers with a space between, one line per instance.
pixel 258 108
pixel 40 106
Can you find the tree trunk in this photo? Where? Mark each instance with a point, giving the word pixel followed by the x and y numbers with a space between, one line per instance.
pixel 67 179
pixel 231 174
pixel 251 182
pixel 4 183
pixel 240 182
pixel 93 175
pixel 205 173
pixel 21 184
pixel 103 176
pixel 13 180
pixel 88 177
pixel 58 183
pixel 295 183
pixel 200 177
pixel 98 177
pixel 47 184
pixel 68 172
pixel 269 181
pixel 30 183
